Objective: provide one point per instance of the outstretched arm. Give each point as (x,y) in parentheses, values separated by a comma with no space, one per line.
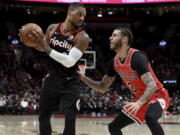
(100,86)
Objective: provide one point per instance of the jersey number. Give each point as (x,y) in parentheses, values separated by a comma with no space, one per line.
(132,87)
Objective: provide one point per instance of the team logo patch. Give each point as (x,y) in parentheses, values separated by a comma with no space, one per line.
(70,37)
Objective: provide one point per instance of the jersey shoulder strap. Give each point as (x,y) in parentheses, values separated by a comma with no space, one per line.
(55,28)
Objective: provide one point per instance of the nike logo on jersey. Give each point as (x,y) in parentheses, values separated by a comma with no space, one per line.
(56,32)
(63,44)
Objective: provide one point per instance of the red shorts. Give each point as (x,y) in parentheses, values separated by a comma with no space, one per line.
(162,97)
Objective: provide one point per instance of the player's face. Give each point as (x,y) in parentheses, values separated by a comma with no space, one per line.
(116,40)
(77,16)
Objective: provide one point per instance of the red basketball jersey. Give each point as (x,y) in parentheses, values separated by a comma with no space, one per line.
(130,77)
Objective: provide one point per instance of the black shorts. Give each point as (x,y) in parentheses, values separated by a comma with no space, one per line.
(60,93)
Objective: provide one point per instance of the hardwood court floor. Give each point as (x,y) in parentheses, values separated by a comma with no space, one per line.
(28,125)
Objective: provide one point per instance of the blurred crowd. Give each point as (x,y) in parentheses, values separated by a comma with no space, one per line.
(19,94)
(22,70)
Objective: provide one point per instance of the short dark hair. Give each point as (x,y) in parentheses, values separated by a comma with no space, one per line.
(75,5)
(126,32)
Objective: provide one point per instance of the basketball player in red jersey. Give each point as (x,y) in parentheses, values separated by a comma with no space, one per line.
(64,43)
(132,65)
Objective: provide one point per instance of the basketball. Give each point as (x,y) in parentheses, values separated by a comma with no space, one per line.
(26,33)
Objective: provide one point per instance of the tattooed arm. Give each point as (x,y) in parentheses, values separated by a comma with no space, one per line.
(100,86)
(140,64)
(150,87)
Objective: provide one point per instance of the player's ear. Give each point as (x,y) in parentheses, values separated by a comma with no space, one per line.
(69,13)
(125,39)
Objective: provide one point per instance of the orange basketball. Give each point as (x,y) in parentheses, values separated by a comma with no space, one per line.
(25,35)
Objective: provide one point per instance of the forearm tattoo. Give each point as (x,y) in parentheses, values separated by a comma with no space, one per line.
(150,87)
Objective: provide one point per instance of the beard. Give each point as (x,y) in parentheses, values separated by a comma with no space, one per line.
(73,24)
(76,25)
(117,46)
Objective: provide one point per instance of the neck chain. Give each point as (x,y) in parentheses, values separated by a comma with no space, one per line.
(123,60)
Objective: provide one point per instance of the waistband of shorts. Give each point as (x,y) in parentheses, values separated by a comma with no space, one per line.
(62,75)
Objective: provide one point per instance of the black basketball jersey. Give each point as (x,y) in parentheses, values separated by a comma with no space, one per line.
(62,43)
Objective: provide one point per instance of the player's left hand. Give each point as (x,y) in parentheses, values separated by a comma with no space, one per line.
(133,107)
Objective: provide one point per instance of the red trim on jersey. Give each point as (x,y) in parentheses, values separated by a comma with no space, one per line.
(77,35)
(64,34)
(53,30)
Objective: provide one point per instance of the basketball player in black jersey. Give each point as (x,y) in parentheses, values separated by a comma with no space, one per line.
(64,43)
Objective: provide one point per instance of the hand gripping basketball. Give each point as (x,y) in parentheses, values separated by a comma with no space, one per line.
(30,35)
